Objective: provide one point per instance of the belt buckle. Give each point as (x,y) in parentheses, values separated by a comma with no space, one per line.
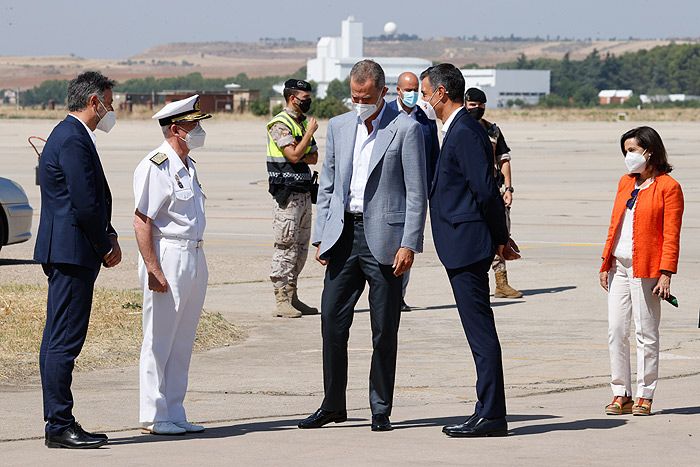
(199,243)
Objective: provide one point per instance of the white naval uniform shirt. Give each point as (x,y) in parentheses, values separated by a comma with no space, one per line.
(170,195)
(364,144)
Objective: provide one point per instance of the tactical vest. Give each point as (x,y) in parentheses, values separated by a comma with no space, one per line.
(281,173)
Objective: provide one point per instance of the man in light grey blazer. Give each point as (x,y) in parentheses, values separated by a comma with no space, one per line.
(369,224)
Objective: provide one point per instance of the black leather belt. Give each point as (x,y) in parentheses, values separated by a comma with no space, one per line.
(355,216)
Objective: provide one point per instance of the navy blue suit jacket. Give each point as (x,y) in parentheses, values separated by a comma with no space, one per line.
(76,204)
(430,138)
(467,213)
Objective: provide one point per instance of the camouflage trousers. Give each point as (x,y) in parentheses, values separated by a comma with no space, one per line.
(291,226)
(499,264)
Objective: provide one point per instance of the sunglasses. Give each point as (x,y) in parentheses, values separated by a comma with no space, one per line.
(633,198)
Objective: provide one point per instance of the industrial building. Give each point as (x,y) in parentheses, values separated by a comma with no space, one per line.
(506,87)
(335,57)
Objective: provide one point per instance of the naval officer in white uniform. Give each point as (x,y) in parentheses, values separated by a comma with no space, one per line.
(169,223)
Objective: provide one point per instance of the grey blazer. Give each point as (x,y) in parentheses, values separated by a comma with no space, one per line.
(395,198)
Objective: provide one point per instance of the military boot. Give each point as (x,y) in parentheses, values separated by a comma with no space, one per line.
(284,308)
(503,290)
(301,306)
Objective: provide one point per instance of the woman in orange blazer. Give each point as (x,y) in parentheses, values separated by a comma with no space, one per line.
(640,255)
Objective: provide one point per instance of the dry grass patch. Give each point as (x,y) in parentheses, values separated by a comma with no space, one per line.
(114,335)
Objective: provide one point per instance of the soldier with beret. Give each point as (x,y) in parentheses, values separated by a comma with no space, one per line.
(169,224)
(291,148)
(475,103)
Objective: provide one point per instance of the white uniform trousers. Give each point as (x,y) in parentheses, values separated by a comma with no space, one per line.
(631,297)
(169,324)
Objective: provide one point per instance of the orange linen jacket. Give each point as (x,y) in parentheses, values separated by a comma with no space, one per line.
(656,229)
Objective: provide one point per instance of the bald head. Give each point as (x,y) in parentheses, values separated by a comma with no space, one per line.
(407,81)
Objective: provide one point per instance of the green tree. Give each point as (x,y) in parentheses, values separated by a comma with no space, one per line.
(339,89)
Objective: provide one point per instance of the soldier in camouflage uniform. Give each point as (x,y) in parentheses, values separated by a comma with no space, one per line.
(291,148)
(475,103)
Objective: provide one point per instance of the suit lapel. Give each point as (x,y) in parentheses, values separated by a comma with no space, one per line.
(384,137)
(457,117)
(345,156)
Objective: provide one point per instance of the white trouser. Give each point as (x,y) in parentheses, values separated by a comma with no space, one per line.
(169,324)
(629,297)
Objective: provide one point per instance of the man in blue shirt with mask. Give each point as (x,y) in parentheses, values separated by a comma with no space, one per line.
(407,88)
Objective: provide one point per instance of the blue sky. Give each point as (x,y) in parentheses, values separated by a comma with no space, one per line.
(120,29)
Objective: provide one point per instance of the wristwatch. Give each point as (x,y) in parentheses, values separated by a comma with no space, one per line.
(510,188)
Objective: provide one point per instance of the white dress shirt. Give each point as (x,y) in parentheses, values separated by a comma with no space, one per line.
(412,114)
(448,122)
(364,144)
(170,195)
(90,132)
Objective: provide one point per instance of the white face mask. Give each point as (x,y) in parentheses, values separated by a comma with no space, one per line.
(195,138)
(364,111)
(635,162)
(428,108)
(107,121)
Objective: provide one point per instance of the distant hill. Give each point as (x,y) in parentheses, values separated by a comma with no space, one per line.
(223,59)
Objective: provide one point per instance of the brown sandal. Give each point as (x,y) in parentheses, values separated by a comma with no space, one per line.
(619,406)
(642,407)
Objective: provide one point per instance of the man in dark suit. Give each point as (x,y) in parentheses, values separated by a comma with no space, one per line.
(75,237)
(468,223)
(407,89)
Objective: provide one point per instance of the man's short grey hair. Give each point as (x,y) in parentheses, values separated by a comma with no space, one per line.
(86,85)
(368,70)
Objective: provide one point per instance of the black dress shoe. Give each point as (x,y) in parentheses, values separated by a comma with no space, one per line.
(94,435)
(323,417)
(479,428)
(381,422)
(74,438)
(472,418)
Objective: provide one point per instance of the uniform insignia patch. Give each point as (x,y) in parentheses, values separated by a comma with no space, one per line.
(159,158)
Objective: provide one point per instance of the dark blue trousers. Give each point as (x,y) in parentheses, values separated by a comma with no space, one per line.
(470,286)
(67,316)
(350,266)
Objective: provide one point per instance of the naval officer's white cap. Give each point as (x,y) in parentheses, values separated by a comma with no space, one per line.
(184,110)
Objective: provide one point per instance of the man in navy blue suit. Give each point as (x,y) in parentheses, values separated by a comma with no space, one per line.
(407,89)
(75,238)
(468,222)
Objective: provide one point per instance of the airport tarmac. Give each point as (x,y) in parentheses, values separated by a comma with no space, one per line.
(250,394)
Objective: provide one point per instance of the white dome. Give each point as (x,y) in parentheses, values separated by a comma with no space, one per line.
(390,28)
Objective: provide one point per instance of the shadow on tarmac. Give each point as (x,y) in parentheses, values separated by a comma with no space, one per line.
(528,292)
(16,262)
(441,307)
(282,425)
(680,411)
(217,432)
(576,425)
(442,421)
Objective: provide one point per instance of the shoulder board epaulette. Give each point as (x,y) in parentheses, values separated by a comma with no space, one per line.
(193,160)
(159,158)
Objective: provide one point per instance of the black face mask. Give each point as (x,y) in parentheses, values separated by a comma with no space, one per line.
(476,112)
(304,105)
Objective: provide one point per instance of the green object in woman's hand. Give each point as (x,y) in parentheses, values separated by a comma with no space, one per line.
(672,300)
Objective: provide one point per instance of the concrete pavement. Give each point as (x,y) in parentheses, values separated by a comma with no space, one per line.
(251,394)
